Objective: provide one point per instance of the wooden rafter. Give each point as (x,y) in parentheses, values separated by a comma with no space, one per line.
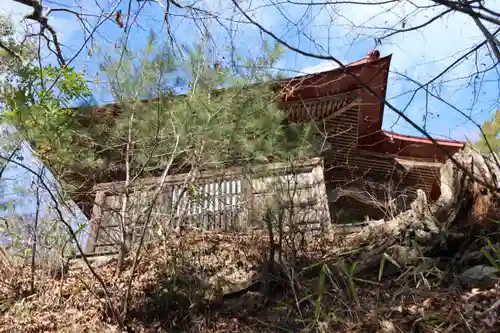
(341,110)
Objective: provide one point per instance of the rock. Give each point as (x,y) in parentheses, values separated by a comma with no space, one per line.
(387,326)
(480,276)
(404,255)
(423,237)
(95,261)
(473,259)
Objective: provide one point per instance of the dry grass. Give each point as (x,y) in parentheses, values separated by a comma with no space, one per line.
(189,285)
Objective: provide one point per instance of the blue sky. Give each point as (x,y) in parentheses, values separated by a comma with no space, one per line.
(343,31)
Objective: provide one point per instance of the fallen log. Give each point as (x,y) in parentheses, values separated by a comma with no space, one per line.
(445,229)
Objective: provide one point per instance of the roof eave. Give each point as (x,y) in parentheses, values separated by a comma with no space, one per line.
(416,139)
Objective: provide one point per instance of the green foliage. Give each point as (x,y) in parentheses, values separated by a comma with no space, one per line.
(491,252)
(10,64)
(321,291)
(491,130)
(9,67)
(17,231)
(206,127)
(349,271)
(215,127)
(38,106)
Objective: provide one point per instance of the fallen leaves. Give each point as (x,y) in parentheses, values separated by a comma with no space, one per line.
(180,285)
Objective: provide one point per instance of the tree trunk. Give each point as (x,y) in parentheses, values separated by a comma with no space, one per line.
(442,229)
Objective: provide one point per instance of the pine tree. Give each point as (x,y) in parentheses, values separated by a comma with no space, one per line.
(207,127)
(491,130)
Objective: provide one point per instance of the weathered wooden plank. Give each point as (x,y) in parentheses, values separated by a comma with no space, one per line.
(227,174)
(95,221)
(218,204)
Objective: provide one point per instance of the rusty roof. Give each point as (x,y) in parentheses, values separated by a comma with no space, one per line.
(371,71)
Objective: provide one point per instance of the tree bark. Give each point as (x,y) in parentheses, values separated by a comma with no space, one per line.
(443,228)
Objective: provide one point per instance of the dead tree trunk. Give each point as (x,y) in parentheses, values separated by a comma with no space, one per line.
(444,228)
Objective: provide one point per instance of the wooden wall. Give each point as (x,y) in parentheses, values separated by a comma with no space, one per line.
(235,199)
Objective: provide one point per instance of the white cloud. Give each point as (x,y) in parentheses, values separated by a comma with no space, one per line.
(65,27)
(345,32)
(322,66)
(343,28)
(348,30)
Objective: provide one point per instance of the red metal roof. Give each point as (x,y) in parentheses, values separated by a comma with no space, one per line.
(417,139)
(372,71)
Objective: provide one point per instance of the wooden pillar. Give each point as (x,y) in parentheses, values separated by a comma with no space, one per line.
(245,216)
(319,177)
(95,221)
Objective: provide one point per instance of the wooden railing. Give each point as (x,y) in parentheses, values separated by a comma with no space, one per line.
(235,199)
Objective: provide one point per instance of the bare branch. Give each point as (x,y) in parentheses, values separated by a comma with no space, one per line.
(418,26)
(38,16)
(492,40)
(73,236)
(369,89)
(9,159)
(467,9)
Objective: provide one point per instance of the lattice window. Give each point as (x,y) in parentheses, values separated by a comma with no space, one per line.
(192,200)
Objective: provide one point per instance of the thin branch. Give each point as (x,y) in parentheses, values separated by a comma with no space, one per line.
(74,237)
(35,234)
(467,9)
(38,16)
(443,72)
(488,10)
(57,45)
(469,118)
(148,211)
(8,160)
(85,42)
(418,26)
(326,3)
(369,89)
(78,15)
(492,41)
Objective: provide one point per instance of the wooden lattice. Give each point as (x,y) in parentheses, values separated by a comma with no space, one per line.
(230,200)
